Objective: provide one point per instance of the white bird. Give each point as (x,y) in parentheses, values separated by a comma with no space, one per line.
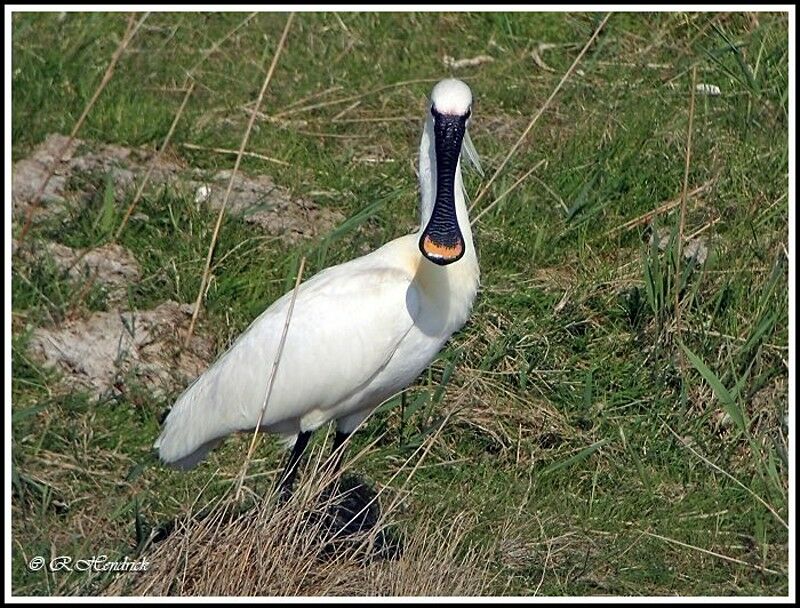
(360,331)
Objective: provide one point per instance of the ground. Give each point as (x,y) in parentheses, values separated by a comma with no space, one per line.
(614,417)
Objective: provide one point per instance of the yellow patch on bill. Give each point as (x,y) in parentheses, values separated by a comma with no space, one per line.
(444,252)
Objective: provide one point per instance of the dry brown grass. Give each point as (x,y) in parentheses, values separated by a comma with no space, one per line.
(295,548)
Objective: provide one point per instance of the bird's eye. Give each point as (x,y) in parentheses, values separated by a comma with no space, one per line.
(469,113)
(433,111)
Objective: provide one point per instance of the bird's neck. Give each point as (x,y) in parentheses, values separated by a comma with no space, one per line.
(427,182)
(452,288)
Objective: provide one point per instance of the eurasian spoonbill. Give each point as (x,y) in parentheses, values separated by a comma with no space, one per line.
(360,331)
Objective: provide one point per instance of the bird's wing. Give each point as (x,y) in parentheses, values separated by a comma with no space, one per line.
(347,322)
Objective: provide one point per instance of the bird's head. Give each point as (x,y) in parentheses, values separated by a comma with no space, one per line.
(452,97)
(441,241)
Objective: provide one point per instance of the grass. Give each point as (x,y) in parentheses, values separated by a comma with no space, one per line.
(593,448)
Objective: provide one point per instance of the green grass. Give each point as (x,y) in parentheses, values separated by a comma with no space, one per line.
(569,390)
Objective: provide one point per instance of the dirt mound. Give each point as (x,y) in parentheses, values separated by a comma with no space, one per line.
(261,202)
(30,174)
(257,199)
(109,265)
(110,351)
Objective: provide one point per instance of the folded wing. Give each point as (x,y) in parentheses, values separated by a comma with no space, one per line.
(347,322)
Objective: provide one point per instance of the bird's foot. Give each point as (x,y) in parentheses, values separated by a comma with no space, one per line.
(352,512)
(351,505)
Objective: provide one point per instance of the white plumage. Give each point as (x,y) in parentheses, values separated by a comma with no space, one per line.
(359,333)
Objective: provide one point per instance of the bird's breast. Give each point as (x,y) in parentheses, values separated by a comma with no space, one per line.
(446,294)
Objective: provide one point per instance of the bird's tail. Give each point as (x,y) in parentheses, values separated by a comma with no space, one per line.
(195,425)
(193,458)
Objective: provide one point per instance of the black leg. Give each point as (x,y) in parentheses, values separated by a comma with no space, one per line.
(289,473)
(353,507)
(338,440)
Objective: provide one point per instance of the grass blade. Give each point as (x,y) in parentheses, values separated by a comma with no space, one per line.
(724,396)
(580,456)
